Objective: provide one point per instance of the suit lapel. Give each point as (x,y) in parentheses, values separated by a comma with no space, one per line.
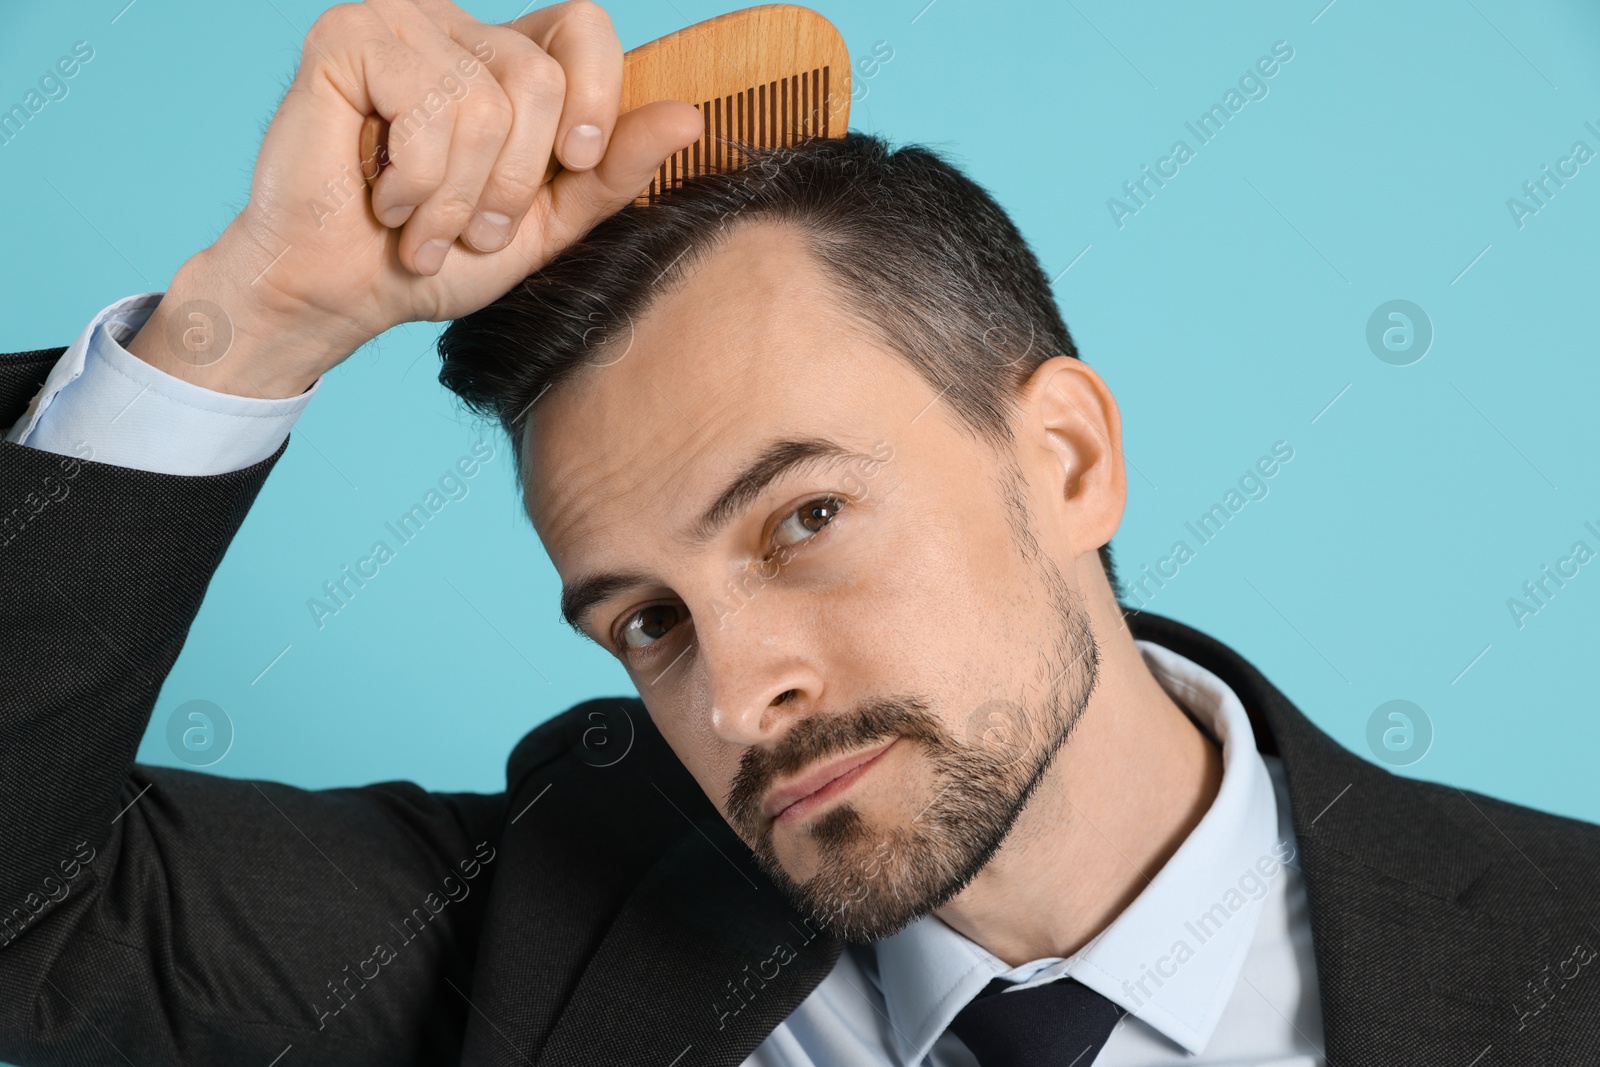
(704,961)
(582,829)
(627,922)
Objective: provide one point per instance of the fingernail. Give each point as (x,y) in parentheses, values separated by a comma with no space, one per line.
(488,230)
(582,148)
(397,215)
(430,257)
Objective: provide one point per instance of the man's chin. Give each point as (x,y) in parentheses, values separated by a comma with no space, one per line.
(851,880)
(841,844)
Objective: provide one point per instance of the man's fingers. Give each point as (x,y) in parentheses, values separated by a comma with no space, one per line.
(561,69)
(579,36)
(419,142)
(470,118)
(536,86)
(643,138)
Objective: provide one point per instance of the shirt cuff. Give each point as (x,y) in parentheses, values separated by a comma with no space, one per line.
(102,402)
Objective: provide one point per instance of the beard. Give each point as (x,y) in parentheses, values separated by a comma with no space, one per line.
(872,881)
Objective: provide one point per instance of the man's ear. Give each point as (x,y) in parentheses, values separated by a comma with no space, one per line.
(1071,429)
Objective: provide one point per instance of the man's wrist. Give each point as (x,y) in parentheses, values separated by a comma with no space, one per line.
(202,333)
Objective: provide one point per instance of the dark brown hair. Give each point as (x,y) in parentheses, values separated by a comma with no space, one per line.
(923,257)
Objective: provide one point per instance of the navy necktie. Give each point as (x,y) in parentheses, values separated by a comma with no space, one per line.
(1058,1024)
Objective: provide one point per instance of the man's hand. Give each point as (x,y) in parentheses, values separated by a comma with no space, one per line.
(312,269)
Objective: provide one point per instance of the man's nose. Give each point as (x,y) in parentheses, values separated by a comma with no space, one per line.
(762,669)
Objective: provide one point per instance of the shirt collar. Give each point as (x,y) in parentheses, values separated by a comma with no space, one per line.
(1173,956)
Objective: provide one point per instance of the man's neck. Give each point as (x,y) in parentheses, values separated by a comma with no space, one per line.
(1134,780)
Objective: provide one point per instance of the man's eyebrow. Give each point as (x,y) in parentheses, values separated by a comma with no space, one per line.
(580,596)
(773,462)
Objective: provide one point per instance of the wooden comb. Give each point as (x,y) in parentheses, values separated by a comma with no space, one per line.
(767,76)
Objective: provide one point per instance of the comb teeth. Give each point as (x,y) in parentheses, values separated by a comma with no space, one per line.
(781,112)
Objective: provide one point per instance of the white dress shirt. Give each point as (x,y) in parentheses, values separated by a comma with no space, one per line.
(1212,960)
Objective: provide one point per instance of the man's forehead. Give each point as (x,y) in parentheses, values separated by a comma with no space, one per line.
(750,345)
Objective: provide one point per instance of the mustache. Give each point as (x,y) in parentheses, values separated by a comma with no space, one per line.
(817,737)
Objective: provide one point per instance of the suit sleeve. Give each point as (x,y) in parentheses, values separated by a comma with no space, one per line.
(156,915)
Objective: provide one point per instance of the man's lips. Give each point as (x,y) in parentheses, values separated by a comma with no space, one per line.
(820,783)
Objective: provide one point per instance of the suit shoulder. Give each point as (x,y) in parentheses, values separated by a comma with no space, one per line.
(1545,850)
(1539,831)
(575,732)
(21,375)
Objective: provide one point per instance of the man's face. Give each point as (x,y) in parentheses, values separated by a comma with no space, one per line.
(813,574)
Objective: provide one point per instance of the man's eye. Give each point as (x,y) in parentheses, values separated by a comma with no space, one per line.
(804,521)
(648,625)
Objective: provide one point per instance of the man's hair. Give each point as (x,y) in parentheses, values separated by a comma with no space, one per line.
(922,257)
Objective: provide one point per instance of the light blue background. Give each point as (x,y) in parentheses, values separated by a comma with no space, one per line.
(1226,315)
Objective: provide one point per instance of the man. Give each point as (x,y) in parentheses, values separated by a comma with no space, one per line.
(815,458)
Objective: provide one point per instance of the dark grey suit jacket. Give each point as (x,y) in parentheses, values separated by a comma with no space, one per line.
(599,911)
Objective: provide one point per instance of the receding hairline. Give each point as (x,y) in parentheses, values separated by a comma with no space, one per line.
(675,277)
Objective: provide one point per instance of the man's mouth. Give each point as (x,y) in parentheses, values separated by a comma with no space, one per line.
(817,786)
